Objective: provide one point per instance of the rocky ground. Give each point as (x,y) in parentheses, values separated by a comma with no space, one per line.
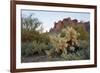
(42,58)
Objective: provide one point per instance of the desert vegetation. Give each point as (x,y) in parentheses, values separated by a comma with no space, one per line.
(70,42)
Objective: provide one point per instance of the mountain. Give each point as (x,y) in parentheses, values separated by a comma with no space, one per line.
(68,21)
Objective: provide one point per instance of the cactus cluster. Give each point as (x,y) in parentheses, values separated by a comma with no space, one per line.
(65,43)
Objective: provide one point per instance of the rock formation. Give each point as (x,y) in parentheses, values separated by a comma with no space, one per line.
(67,21)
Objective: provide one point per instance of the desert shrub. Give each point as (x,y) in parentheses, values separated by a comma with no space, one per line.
(84,53)
(26,49)
(31,48)
(79,55)
(29,36)
(40,48)
(84,35)
(84,43)
(43,38)
(87,53)
(36,47)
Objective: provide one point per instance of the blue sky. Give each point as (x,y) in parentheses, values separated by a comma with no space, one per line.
(49,17)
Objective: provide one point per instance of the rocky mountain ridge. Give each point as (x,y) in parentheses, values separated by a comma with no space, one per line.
(67,21)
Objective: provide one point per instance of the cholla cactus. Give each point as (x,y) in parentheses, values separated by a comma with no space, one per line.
(71,34)
(60,43)
(71,37)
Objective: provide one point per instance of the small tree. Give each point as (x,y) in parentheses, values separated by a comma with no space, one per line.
(30,23)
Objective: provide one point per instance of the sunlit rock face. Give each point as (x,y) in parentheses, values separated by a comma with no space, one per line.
(68,21)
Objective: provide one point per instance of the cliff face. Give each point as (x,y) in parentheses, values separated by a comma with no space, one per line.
(68,21)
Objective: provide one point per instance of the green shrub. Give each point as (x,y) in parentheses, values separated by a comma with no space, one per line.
(40,47)
(26,49)
(84,53)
